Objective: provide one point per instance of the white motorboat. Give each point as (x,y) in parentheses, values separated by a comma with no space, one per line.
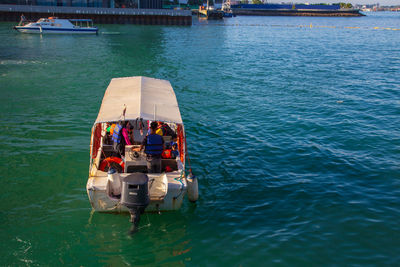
(56,25)
(139,101)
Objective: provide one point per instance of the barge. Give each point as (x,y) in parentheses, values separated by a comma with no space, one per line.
(294,10)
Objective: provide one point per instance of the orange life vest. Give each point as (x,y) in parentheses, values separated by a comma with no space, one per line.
(166,154)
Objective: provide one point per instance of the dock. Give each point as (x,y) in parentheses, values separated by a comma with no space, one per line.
(13,13)
(314,10)
(299,12)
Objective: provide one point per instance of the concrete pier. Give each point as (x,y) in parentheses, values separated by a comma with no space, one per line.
(13,13)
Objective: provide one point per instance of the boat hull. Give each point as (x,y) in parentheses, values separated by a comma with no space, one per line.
(23,29)
(101,201)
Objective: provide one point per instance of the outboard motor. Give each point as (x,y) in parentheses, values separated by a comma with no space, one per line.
(135,196)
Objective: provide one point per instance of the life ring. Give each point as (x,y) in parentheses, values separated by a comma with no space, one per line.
(116,162)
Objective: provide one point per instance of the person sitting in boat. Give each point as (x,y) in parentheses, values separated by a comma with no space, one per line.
(160,130)
(23,19)
(165,130)
(175,152)
(153,145)
(118,141)
(125,133)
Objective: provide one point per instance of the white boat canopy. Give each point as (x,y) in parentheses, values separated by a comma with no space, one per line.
(143,97)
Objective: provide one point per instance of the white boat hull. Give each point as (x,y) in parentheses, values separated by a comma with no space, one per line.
(101,201)
(55,31)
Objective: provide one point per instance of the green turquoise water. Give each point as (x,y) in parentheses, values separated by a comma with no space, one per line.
(293,131)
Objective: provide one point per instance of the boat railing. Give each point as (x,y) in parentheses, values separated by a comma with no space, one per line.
(25,22)
(82,23)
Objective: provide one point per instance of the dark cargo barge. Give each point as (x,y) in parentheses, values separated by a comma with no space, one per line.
(294,10)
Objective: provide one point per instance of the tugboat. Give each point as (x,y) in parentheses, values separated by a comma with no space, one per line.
(119,180)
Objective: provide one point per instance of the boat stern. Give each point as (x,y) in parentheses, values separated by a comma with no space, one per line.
(99,190)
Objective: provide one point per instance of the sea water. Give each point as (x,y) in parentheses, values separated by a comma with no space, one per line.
(292,127)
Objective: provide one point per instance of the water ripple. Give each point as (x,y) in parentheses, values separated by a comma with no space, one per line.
(292,131)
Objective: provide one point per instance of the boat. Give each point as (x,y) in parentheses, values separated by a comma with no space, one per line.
(56,25)
(228,14)
(210,13)
(226,8)
(138,101)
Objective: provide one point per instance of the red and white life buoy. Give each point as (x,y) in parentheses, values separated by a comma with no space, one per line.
(108,161)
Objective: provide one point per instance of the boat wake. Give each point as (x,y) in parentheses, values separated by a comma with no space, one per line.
(19,62)
(111,33)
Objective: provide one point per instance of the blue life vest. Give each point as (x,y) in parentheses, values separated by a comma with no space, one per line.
(154,144)
(116,137)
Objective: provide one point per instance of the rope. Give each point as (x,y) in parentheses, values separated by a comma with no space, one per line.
(146,225)
(123,113)
(108,163)
(182,185)
(151,183)
(188,157)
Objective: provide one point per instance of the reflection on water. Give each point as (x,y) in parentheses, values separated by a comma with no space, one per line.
(161,239)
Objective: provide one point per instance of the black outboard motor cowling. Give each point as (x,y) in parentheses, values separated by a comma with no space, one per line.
(135,195)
